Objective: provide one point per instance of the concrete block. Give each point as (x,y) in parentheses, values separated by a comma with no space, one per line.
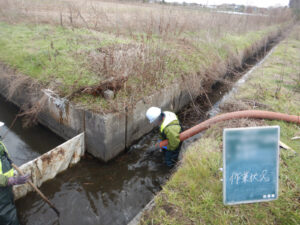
(62,117)
(105,134)
(171,98)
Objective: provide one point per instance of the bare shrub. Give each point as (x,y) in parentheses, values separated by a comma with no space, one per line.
(30,113)
(17,86)
(16,83)
(146,64)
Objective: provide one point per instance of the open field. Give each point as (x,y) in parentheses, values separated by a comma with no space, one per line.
(194,193)
(73,46)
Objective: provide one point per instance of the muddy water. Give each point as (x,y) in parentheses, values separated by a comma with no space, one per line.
(24,144)
(97,193)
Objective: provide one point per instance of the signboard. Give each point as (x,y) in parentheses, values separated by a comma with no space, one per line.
(250,164)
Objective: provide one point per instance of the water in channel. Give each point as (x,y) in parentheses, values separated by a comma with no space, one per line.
(92,192)
(24,144)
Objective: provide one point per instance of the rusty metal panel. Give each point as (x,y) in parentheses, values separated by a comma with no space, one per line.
(48,165)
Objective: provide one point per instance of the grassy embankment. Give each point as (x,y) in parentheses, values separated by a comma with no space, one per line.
(194,193)
(66,46)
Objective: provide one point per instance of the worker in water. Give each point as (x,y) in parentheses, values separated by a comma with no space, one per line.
(8,212)
(170,129)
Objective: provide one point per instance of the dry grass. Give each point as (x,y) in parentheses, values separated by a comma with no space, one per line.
(153,45)
(30,113)
(144,62)
(14,90)
(16,82)
(150,20)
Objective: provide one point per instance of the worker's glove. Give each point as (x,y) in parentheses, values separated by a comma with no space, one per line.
(18,180)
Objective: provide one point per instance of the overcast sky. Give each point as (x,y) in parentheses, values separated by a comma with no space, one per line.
(258,3)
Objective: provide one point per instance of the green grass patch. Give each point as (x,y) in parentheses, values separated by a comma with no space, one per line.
(52,54)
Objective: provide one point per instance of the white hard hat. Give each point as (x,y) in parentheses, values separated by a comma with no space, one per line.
(153,113)
(1,124)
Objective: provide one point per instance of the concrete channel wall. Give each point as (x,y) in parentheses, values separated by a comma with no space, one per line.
(106,135)
(48,165)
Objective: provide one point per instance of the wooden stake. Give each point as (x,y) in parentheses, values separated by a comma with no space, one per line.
(37,190)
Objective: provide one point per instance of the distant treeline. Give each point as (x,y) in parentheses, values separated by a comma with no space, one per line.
(295,5)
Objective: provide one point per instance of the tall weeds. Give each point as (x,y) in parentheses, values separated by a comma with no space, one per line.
(132,19)
(165,42)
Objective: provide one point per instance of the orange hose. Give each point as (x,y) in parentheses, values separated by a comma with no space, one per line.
(258,114)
